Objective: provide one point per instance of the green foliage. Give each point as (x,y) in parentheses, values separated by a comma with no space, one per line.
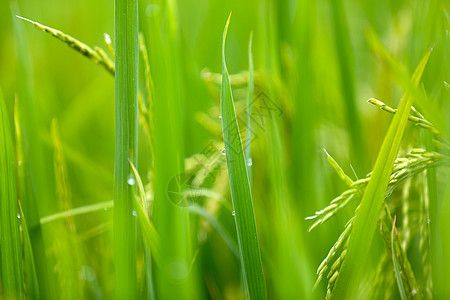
(126,83)
(240,189)
(230,163)
(398,276)
(11,251)
(372,200)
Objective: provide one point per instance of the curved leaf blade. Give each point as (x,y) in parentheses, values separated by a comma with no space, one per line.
(11,248)
(371,203)
(240,189)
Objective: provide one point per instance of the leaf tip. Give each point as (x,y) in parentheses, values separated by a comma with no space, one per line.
(224,38)
(226,27)
(25,19)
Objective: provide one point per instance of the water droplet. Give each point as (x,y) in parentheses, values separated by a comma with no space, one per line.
(107,38)
(87,273)
(428,221)
(178,269)
(131,180)
(249,162)
(223,151)
(152,10)
(134,213)
(233,213)
(105,209)
(220,116)
(18,216)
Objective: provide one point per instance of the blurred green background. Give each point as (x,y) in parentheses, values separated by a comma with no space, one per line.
(314,60)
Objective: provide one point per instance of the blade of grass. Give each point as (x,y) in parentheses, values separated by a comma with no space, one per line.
(199,210)
(437,256)
(398,276)
(77,211)
(251,87)
(296,69)
(34,182)
(371,203)
(65,230)
(347,82)
(31,281)
(162,32)
(30,276)
(149,107)
(11,248)
(240,189)
(126,87)
(149,232)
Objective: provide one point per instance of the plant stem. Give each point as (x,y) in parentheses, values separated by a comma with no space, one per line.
(126,87)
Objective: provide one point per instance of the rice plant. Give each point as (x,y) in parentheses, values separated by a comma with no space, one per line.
(299,152)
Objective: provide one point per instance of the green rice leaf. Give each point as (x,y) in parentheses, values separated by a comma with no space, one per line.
(398,276)
(11,248)
(240,189)
(368,212)
(65,230)
(126,88)
(251,87)
(78,211)
(150,235)
(34,177)
(31,281)
(30,275)
(199,210)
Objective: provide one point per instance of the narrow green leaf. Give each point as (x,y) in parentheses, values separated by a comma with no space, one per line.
(199,210)
(171,220)
(31,281)
(344,53)
(240,189)
(126,87)
(398,276)
(77,211)
(35,190)
(70,286)
(368,212)
(11,249)
(30,275)
(251,87)
(150,235)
